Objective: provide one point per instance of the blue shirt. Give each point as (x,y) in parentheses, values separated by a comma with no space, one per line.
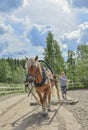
(63,81)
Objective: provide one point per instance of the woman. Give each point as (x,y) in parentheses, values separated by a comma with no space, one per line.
(63,80)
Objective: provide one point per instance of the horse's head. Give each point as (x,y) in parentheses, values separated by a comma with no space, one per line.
(32,66)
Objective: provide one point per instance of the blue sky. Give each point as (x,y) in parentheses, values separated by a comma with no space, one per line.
(24,25)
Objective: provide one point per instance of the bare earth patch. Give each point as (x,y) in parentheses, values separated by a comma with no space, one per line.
(17,114)
(80,110)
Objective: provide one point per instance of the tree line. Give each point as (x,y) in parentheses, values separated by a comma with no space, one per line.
(77,66)
(12,70)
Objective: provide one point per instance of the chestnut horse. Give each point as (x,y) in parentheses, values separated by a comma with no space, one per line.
(43,81)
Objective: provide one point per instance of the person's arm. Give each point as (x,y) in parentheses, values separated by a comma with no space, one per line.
(65,79)
(60,78)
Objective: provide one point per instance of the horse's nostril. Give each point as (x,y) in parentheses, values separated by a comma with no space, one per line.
(30,79)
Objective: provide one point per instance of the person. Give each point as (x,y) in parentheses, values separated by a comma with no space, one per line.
(63,81)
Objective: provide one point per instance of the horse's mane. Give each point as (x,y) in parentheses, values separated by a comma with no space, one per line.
(31,61)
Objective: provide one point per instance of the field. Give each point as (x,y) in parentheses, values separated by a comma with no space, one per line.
(11,88)
(17,114)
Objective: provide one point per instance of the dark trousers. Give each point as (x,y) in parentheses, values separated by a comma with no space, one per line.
(64,89)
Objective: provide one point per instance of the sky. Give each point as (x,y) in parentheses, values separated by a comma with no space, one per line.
(24,25)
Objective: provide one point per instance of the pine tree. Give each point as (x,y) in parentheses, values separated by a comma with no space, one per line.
(71,65)
(5,71)
(53,55)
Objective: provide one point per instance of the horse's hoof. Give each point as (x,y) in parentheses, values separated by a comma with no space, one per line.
(49,110)
(44,114)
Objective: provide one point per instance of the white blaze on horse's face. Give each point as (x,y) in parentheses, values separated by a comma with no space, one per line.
(31,62)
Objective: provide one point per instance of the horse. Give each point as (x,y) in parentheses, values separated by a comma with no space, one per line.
(43,81)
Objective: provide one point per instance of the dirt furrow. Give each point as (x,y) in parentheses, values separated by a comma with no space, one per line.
(22,116)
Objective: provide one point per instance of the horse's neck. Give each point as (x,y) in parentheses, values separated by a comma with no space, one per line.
(39,76)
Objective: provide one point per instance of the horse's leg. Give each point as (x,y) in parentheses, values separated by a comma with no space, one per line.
(47,94)
(42,101)
(40,96)
(49,98)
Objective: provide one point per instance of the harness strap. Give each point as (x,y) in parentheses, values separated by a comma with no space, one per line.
(43,80)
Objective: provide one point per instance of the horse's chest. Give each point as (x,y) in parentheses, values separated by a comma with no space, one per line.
(42,88)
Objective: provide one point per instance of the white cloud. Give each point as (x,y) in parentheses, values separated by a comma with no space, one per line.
(5,28)
(74,38)
(72,35)
(64,46)
(61,3)
(83,33)
(11,45)
(83,26)
(50,12)
(38,34)
(19,25)
(26,3)
(58,16)
(25,21)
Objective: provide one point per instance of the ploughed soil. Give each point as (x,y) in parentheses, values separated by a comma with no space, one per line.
(80,110)
(16,113)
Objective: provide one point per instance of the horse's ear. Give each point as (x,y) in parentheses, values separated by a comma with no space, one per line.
(36,58)
(26,58)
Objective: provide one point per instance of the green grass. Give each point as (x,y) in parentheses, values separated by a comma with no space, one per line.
(77,86)
(6,88)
